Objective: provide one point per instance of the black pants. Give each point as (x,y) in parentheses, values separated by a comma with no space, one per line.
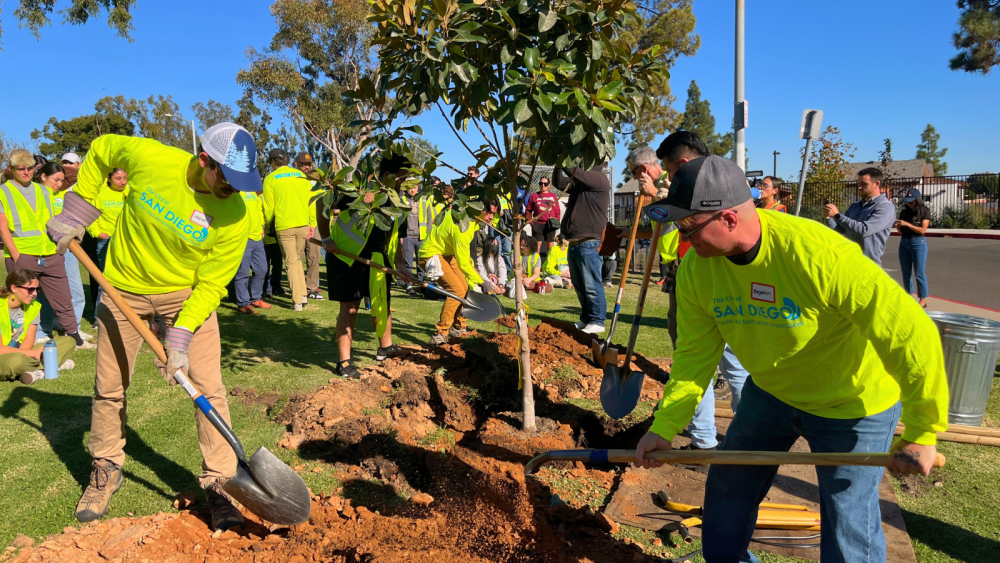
(275,260)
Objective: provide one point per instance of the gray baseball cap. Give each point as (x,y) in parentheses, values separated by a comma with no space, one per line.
(709,183)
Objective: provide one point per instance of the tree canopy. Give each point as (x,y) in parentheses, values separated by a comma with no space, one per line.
(829,157)
(929,151)
(34,14)
(698,119)
(978,36)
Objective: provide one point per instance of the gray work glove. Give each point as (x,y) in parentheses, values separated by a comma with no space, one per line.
(71,224)
(178,340)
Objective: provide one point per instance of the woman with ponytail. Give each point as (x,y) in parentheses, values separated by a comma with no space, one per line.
(19,356)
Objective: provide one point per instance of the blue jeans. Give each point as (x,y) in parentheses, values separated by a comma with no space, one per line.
(585,272)
(506,248)
(702,427)
(849,508)
(102,258)
(913,261)
(48,315)
(255,259)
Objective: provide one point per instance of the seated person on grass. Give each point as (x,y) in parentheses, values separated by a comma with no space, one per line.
(491,266)
(531,267)
(19,357)
(556,267)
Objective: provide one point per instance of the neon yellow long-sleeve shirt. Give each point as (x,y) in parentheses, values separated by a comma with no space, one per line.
(817,325)
(169,237)
(447,239)
(255,213)
(111,204)
(555,261)
(286,199)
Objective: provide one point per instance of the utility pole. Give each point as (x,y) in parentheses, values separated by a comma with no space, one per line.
(739,123)
(776,153)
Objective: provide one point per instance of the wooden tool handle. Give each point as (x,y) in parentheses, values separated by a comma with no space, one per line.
(364,261)
(642,300)
(631,245)
(124,307)
(760,458)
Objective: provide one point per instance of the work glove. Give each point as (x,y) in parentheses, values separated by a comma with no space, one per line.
(491,289)
(178,340)
(71,224)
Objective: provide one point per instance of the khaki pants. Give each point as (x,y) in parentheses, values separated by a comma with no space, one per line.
(453,280)
(12,365)
(313,257)
(293,242)
(117,346)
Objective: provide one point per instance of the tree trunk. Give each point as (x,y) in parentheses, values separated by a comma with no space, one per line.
(528,390)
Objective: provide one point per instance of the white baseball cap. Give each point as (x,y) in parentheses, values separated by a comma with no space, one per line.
(72,158)
(233,148)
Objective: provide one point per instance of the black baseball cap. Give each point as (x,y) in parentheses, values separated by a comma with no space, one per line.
(709,183)
(912,194)
(277,153)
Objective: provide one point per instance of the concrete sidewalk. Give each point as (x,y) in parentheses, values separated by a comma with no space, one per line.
(948,306)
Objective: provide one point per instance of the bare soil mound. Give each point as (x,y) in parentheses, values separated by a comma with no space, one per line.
(438,430)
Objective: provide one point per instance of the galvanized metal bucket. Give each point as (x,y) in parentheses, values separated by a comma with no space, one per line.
(971,347)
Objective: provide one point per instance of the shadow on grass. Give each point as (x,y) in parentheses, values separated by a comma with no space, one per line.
(958,543)
(64,419)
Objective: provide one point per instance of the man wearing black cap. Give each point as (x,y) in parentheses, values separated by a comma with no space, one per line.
(314,254)
(832,344)
(286,202)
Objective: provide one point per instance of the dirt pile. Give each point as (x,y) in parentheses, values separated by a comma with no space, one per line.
(430,453)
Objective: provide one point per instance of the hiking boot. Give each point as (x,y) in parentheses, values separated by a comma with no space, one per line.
(315,296)
(438,339)
(248,310)
(105,481)
(347,371)
(391,351)
(260,304)
(225,515)
(457,332)
(30,377)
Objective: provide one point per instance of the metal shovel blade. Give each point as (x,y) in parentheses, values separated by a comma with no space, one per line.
(441,291)
(487,308)
(620,393)
(598,347)
(270,489)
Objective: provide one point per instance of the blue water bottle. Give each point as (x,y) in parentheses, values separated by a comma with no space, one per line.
(50,359)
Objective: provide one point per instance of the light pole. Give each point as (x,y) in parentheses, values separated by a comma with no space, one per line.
(776,153)
(739,150)
(194,136)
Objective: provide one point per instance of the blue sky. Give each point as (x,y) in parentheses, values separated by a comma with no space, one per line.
(877,69)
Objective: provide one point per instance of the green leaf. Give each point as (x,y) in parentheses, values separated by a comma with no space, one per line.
(463,225)
(358,204)
(522,112)
(578,134)
(380,200)
(562,41)
(522,6)
(610,91)
(461,72)
(413,128)
(505,55)
(531,59)
(393,212)
(547,20)
(610,106)
(544,101)
(381,221)
(596,49)
(581,99)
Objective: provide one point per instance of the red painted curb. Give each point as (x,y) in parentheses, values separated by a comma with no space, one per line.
(986,234)
(966,304)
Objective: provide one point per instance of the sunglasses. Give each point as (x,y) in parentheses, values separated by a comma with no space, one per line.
(29,289)
(688,233)
(543,183)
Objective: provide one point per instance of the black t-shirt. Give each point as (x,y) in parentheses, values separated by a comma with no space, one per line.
(914,217)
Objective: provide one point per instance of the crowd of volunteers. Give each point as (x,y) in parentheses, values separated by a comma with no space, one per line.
(814,338)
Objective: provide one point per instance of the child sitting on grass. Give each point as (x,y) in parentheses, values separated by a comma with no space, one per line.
(531,268)
(556,267)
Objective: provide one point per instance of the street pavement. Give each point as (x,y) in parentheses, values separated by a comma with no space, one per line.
(966,270)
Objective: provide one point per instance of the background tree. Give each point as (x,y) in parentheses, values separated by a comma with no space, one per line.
(8,144)
(698,119)
(669,25)
(256,121)
(978,37)
(76,134)
(829,157)
(929,151)
(563,73)
(421,151)
(983,183)
(321,50)
(211,113)
(34,14)
(149,118)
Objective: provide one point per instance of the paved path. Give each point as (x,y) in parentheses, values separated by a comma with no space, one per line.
(964,270)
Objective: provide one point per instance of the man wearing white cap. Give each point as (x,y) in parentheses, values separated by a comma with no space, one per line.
(176,245)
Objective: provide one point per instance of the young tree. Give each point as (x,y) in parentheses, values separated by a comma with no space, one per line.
(34,14)
(978,37)
(698,119)
(565,71)
(829,157)
(929,151)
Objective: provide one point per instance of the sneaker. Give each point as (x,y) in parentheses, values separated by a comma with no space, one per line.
(84,335)
(225,515)
(580,325)
(248,310)
(438,339)
(661,282)
(67,365)
(457,332)
(347,371)
(42,339)
(30,377)
(390,351)
(594,328)
(607,284)
(105,481)
(260,304)
(410,290)
(315,296)
(297,307)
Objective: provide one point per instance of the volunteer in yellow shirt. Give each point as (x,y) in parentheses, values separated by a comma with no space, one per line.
(314,253)
(453,249)
(286,202)
(110,202)
(250,288)
(556,266)
(176,245)
(833,346)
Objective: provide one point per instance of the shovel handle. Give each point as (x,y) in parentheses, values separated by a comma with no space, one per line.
(642,301)
(147,335)
(721,457)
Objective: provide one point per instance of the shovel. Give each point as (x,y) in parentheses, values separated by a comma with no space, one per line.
(602,354)
(721,457)
(620,390)
(263,484)
(480,307)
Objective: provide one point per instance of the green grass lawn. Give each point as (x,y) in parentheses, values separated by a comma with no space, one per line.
(44,463)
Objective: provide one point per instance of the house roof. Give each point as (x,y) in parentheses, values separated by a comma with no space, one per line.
(899,168)
(630,187)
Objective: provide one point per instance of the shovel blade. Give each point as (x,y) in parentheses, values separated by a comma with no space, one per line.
(620,392)
(487,307)
(271,490)
(598,348)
